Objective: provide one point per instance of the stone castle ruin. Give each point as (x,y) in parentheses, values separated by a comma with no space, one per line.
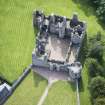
(58,43)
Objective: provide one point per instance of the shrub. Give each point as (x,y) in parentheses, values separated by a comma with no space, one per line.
(97,87)
(97,52)
(99,101)
(99,6)
(95,69)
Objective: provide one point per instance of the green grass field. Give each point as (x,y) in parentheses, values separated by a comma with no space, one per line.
(17,42)
(29,92)
(61,93)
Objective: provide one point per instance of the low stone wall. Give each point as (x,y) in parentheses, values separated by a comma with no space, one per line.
(17,83)
(21,78)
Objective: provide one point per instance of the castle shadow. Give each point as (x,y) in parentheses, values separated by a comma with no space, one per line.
(37,79)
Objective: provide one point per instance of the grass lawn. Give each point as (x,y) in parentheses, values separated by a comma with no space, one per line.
(61,93)
(16,37)
(29,92)
(16,31)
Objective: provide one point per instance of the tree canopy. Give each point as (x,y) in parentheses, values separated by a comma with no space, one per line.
(97,87)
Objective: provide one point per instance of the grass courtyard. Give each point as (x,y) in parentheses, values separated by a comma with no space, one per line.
(29,92)
(17,42)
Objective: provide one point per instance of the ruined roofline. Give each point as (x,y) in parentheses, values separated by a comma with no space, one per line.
(59,16)
(53,23)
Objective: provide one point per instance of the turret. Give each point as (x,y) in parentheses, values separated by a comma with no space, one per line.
(75,70)
(74,21)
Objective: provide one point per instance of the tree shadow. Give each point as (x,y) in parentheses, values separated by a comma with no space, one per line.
(85,6)
(72,85)
(80,84)
(101,23)
(83,51)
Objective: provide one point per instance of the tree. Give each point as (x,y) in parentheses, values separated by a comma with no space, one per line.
(97,52)
(98,36)
(95,3)
(99,6)
(99,101)
(95,69)
(97,87)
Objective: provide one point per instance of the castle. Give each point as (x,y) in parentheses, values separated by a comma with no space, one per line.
(58,43)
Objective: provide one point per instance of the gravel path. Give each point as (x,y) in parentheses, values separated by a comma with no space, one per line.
(41,101)
(43,97)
